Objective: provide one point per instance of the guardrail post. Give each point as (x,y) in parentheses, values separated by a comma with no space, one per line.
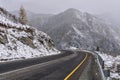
(103,65)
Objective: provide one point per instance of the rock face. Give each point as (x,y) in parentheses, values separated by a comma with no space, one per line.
(19,41)
(82,30)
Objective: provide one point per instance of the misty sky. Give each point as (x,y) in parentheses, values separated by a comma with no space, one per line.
(55,6)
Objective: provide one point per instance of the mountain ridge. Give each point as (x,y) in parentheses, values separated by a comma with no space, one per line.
(80,28)
(95,31)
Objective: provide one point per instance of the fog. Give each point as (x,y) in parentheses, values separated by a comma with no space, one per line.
(107,7)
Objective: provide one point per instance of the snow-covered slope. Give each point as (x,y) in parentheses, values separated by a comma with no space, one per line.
(82,30)
(113,64)
(19,41)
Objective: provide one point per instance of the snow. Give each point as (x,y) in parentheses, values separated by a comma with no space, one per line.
(7,22)
(111,64)
(18,34)
(115,75)
(77,31)
(109,60)
(19,50)
(73,48)
(14,49)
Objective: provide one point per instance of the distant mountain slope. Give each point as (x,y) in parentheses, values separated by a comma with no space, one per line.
(19,41)
(35,19)
(82,30)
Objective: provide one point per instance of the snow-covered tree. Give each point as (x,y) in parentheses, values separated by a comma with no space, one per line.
(22,16)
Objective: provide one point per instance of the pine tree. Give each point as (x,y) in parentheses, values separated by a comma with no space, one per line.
(22,16)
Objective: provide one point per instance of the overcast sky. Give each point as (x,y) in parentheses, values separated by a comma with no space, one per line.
(55,6)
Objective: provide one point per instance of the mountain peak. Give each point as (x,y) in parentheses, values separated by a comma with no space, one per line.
(71,13)
(72,10)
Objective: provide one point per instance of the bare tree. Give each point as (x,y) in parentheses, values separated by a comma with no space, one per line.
(22,16)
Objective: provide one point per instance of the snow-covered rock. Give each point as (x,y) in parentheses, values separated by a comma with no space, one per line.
(111,63)
(19,41)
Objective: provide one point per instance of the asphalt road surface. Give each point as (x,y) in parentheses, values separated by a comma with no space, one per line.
(63,70)
(13,65)
(67,70)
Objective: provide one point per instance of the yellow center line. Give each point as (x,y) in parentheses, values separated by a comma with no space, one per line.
(71,73)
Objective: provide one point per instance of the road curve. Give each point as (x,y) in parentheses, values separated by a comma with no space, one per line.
(75,69)
(67,70)
(66,66)
(14,65)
